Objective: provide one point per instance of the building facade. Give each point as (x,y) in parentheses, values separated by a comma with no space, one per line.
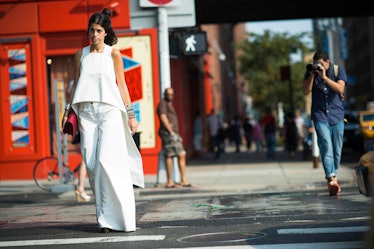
(37,46)
(350,43)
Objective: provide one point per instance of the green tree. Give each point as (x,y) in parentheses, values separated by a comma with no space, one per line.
(262,57)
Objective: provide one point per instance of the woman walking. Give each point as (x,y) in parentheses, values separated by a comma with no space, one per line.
(101,100)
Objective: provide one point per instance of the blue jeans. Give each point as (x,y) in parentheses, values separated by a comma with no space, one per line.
(330,143)
(270,145)
(216,146)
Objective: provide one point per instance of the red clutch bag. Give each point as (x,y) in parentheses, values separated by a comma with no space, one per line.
(71,124)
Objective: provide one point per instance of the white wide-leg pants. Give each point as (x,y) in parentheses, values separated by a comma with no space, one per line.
(104,150)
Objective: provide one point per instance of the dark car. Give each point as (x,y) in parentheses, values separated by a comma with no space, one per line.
(353,138)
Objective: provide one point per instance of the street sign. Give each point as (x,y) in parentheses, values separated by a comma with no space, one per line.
(158,3)
(180,14)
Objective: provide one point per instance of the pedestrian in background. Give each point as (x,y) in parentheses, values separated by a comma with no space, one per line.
(327,88)
(291,135)
(215,125)
(257,135)
(301,128)
(248,131)
(198,133)
(80,193)
(236,132)
(269,124)
(101,100)
(171,140)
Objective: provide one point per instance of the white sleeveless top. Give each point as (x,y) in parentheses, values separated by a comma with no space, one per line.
(97,80)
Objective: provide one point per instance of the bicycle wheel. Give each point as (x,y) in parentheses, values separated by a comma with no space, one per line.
(46,173)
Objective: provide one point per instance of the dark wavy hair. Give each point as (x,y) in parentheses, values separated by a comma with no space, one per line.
(103,19)
(320,54)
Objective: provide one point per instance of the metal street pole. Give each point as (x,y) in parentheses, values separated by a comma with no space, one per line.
(163,37)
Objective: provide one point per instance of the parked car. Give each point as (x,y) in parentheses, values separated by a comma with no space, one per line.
(366,120)
(353,138)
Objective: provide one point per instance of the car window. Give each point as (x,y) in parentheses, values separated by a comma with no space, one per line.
(368,117)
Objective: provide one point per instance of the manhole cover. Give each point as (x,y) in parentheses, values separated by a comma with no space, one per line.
(221,237)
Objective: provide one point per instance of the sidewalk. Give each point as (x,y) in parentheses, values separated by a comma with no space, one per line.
(247,173)
(234,173)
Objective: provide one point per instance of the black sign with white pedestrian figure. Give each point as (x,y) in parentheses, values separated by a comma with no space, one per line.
(194,43)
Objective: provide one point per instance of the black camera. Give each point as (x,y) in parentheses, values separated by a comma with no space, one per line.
(313,66)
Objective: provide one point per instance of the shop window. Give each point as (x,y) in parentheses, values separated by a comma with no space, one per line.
(15,98)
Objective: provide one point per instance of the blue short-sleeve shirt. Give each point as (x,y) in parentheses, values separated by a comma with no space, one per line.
(327,105)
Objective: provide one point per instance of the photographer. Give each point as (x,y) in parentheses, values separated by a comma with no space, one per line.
(327,88)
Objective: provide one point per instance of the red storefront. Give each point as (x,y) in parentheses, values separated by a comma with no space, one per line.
(38,40)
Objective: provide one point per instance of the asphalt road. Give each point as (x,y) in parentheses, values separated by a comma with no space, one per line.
(241,201)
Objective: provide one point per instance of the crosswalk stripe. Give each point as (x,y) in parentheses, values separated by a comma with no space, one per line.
(355,229)
(323,245)
(80,240)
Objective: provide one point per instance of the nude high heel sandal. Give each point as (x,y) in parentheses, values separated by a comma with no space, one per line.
(82,197)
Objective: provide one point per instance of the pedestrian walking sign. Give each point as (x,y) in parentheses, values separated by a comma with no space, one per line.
(194,43)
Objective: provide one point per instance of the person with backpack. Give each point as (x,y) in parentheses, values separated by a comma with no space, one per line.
(326,83)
